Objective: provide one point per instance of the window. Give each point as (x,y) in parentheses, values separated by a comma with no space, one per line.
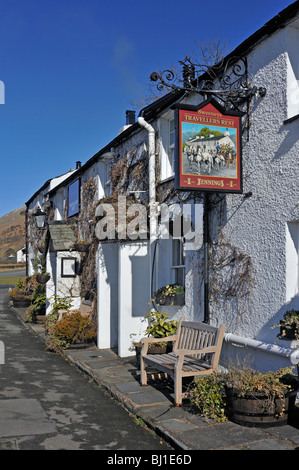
(73,198)
(293,71)
(68,267)
(171,144)
(292,262)
(167,133)
(178,263)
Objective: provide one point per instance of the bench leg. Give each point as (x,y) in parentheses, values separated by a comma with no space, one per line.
(178,389)
(143,375)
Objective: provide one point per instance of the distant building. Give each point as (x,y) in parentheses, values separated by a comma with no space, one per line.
(213,143)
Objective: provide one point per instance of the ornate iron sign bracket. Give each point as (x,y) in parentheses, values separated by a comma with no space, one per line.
(226,81)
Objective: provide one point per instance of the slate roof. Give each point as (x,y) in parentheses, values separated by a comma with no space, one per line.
(61,236)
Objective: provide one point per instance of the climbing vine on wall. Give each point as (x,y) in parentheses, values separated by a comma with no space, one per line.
(230,275)
(84,230)
(129,174)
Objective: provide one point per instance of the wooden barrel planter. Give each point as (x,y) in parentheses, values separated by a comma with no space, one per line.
(42,278)
(256,410)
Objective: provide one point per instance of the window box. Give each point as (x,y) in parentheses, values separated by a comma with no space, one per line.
(170,295)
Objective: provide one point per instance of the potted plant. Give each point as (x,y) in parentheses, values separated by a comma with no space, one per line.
(81,246)
(289,325)
(259,399)
(172,294)
(42,278)
(73,330)
(159,327)
(20,295)
(37,308)
(39,267)
(245,396)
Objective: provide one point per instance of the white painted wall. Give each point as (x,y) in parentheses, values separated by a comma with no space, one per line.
(123,294)
(261,226)
(107,269)
(133,293)
(58,285)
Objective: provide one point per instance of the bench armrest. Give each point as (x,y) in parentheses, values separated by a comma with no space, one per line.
(148,339)
(186,352)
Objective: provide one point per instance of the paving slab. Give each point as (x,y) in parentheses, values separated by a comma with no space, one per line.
(177,425)
(269,444)
(133,387)
(148,398)
(23,416)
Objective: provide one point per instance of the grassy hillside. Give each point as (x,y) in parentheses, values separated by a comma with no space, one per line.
(12,233)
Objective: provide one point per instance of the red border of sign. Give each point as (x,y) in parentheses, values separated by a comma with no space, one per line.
(208,113)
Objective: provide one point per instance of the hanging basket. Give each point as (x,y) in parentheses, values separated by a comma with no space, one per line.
(81,247)
(42,278)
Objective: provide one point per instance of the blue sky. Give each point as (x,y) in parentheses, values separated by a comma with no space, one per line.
(71,69)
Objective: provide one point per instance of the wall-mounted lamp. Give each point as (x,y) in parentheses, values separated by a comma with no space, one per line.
(40,218)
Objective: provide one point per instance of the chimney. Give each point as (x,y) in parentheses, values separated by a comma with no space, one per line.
(130,117)
(78,165)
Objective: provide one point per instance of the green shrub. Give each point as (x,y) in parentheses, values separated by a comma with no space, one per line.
(74,327)
(61,303)
(30,314)
(159,326)
(207,395)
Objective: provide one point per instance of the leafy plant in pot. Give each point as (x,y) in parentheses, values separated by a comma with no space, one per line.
(159,327)
(74,329)
(39,267)
(81,246)
(289,325)
(245,396)
(20,295)
(38,306)
(260,399)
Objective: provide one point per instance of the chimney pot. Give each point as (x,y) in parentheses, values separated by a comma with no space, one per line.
(130,117)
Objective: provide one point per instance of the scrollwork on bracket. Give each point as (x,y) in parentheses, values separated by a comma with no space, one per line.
(228,80)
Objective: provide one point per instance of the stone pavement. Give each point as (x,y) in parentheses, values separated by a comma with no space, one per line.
(180,426)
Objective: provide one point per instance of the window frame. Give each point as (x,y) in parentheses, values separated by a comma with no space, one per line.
(167,145)
(76,210)
(64,261)
(177,251)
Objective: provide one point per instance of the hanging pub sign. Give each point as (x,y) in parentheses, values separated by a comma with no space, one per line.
(208,148)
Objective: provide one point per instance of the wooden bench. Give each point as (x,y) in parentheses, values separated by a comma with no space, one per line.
(196,352)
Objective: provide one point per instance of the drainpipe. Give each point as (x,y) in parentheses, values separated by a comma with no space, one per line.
(152,176)
(206,258)
(292,354)
(152,190)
